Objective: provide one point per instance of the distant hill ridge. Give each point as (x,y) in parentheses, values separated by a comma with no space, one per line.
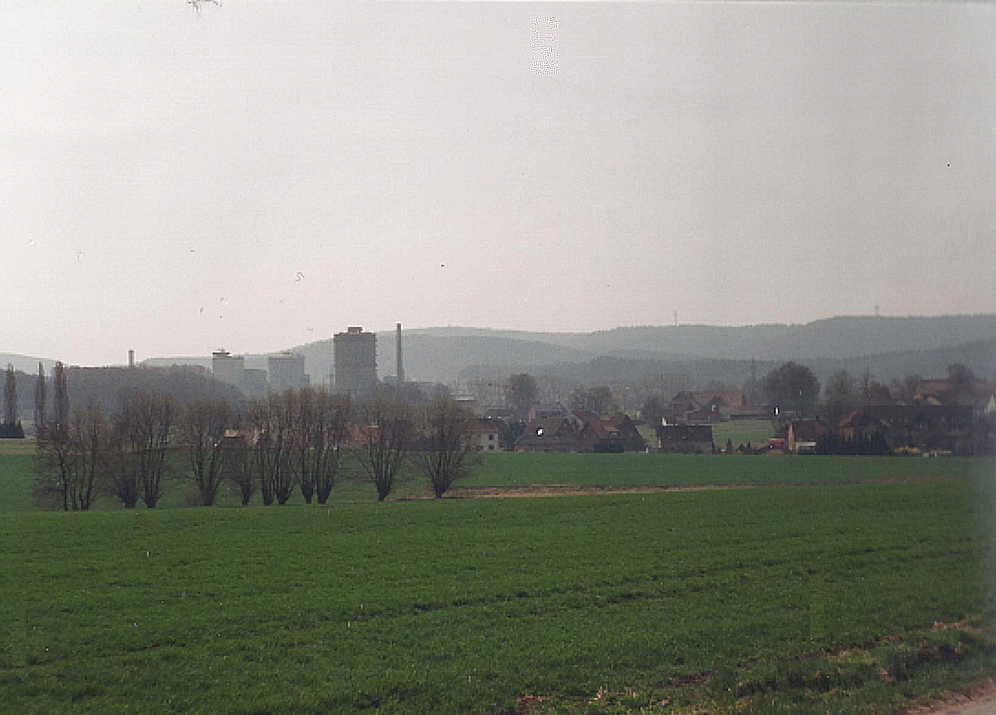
(440,353)
(839,337)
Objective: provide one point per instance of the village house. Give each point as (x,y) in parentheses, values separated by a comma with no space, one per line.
(614,434)
(686,439)
(802,436)
(709,407)
(484,435)
(925,426)
(862,424)
(549,434)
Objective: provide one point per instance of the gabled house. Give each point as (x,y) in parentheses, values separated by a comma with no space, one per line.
(614,434)
(862,424)
(549,434)
(700,406)
(545,411)
(686,439)
(925,426)
(485,435)
(802,435)
(709,412)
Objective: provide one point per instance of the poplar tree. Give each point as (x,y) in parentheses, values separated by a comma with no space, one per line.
(10,396)
(41,389)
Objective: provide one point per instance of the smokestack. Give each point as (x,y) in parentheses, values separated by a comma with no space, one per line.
(401,365)
(131,358)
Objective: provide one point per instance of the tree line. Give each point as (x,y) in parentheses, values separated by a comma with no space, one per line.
(297,440)
(794,388)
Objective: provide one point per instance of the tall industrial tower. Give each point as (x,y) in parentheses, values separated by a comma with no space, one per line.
(355,356)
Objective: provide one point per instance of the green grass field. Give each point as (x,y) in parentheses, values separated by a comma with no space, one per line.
(771,598)
(757,432)
(517,469)
(862,588)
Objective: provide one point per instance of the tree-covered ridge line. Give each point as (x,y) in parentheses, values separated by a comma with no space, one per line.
(891,346)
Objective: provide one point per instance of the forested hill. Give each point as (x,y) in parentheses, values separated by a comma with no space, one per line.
(888,345)
(833,338)
(980,357)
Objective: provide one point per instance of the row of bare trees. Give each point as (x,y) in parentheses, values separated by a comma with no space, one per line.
(88,454)
(298,439)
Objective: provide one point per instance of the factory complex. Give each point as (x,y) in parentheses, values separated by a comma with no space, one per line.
(354,366)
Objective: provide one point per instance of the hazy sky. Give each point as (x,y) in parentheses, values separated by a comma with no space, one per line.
(262,174)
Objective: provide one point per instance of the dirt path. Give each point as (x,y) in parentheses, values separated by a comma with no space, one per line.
(978,702)
(562,490)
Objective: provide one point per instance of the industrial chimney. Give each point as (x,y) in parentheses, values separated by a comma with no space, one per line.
(401,365)
(131,358)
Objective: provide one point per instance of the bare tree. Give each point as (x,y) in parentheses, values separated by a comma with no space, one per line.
(598,400)
(304,422)
(55,451)
(60,395)
(385,435)
(124,482)
(70,458)
(145,428)
(88,440)
(272,440)
(319,423)
(960,378)
(10,396)
(333,414)
(447,429)
(202,432)
(840,396)
(54,467)
(238,466)
(40,395)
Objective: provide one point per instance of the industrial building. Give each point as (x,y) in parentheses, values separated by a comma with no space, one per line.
(227,367)
(286,371)
(254,382)
(355,358)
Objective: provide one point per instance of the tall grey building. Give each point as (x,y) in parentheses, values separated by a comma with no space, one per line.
(286,371)
(227,367)
(355,356)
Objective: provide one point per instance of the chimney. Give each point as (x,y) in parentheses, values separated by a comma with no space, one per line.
(131,358)
(401,365)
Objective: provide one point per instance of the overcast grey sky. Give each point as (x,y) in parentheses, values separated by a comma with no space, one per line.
(263,174)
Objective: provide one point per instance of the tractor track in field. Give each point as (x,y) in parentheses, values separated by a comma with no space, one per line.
(559,490)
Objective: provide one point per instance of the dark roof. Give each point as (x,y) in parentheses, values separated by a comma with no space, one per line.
(733,398)
(668,434)
(807,430)
(548,431)
(484,425)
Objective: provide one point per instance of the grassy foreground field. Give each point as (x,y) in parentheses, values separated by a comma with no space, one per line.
(682,470)
(836,599)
